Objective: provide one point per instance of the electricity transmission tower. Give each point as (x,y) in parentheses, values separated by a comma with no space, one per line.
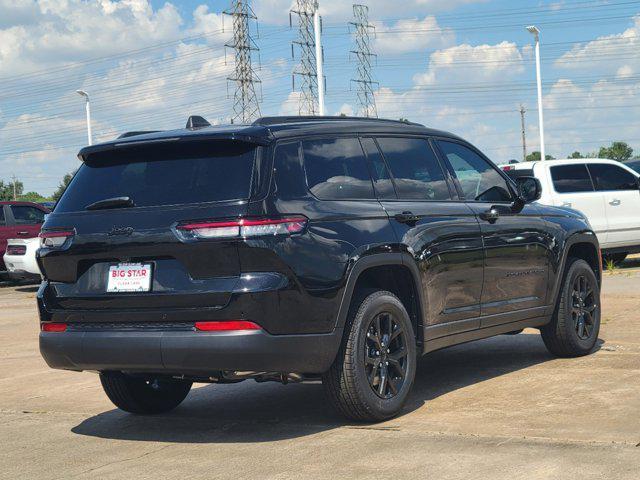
(246,104)
(307,67)
(364,55)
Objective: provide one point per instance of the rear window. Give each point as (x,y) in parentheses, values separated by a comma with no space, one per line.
(170,174)
(609,177)
(26,215)
(571,178)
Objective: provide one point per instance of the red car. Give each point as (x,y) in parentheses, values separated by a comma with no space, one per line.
(19,220)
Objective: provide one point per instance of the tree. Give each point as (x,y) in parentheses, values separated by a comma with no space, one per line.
(32,197)
(535,156)
(62,187)
(6,190)
(619,151)
(576,155)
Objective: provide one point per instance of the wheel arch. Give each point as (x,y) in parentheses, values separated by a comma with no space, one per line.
(583,245)
(395,272)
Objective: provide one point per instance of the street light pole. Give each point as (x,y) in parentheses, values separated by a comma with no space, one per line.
(84,94)
(536,33)
(319,62)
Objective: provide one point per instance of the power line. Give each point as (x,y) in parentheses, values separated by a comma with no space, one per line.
(365,82)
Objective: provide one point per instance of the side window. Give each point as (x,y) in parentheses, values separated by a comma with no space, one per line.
(608,177)
(336,169)
(3,222)
(479,180)
(415,169)
(379,171)
(25,215)
(571,178)
(289,175)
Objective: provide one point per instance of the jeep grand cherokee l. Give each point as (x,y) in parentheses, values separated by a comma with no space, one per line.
(302,248)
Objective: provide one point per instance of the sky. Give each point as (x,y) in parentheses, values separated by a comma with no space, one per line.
(463,66)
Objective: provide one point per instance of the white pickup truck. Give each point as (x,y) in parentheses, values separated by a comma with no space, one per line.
(605,191)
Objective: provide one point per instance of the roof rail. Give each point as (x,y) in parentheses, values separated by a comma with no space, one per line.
(266,121)
(135,133)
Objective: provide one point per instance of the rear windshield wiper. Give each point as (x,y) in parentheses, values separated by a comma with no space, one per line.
(115,202)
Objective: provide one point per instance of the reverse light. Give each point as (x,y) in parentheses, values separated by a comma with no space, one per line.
(55,238)
(226,326)
(53,327)
(243,228)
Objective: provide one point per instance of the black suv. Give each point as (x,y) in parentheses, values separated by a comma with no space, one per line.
(301,248)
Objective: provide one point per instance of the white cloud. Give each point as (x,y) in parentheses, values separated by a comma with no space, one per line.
(346,109)
(291,105)
(49,33)
(605,52)
(478,63)
(411,35)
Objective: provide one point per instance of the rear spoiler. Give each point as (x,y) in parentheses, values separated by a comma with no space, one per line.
(199,137)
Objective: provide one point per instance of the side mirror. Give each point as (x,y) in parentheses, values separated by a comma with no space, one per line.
(529,189)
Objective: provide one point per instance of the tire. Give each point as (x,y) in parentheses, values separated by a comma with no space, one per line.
(143,396)
(355,384)
(563,336)
(616,258)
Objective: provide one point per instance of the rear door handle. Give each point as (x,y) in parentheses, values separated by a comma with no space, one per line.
(23,234)
(406,217)
(491,215)
(615,202)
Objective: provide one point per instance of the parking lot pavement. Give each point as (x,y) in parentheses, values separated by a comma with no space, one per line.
(501,408)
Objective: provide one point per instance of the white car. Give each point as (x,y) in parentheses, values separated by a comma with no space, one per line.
(605,191)
(20,259)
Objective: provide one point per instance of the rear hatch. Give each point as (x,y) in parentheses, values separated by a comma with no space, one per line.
(149,191)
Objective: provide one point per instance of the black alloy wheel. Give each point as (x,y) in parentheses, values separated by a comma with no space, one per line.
(385,355)
(584,307)
(575,324)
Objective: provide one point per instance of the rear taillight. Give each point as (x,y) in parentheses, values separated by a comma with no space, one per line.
(226,326)
(16,249)
(243,228)
(53,327)
(55,238)
(508,168)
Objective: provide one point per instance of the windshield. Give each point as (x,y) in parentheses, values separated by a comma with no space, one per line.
(166,174)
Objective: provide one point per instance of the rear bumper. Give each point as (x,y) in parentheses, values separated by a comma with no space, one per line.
(20,275)
(189,352)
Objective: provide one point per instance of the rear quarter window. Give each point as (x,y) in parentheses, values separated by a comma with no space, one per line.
(169,174)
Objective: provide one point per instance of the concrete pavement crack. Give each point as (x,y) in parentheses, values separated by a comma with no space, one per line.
(115,462)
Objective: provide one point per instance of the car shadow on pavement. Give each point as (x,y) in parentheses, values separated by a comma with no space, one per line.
(251,412)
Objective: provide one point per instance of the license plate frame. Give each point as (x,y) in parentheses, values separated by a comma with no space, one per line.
(125,277)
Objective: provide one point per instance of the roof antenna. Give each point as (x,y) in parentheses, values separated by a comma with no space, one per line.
(196,121)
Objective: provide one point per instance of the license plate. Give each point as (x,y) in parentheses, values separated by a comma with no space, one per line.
(129,277)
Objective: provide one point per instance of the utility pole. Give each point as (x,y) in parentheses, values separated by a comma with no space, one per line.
(15,196)
(309,69)
(524,135)
(363,53)
(246,105)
